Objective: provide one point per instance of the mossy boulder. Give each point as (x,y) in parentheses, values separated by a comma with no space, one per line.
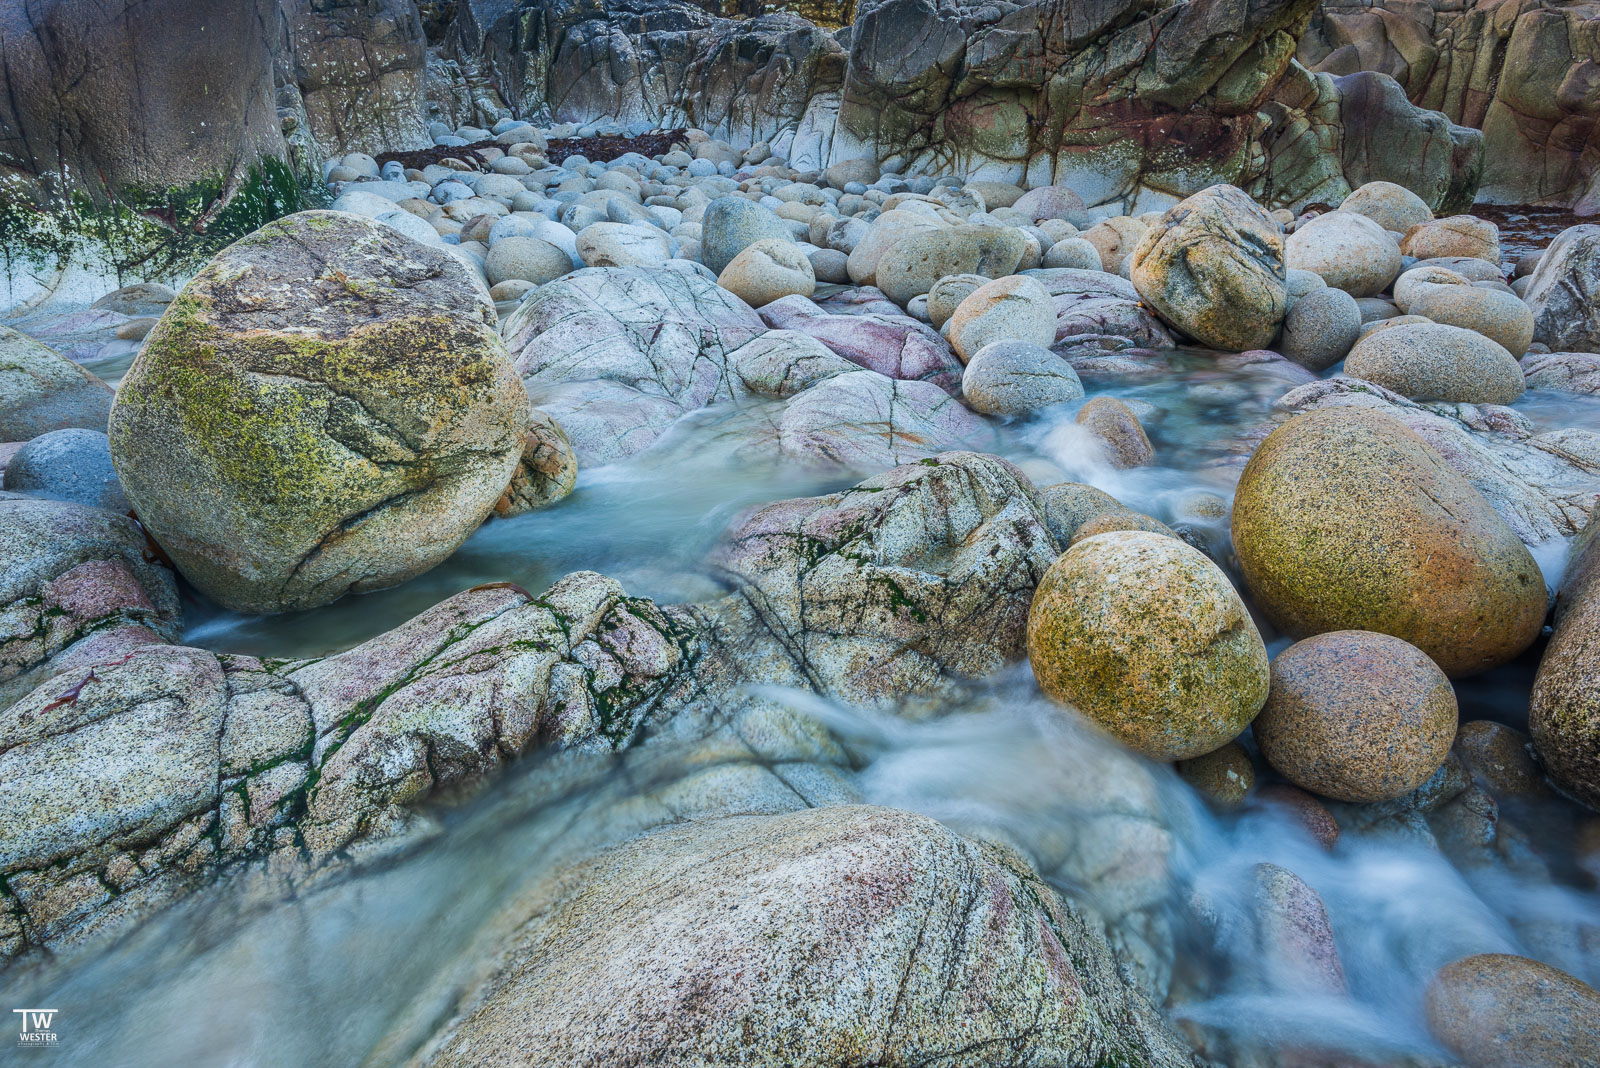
(326,408)
(1145,636)
(1347,520)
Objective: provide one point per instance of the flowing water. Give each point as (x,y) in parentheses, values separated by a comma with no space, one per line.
(361,966)
(358,968)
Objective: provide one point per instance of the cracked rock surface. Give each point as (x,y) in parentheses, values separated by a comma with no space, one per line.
(842,935)
(888,588)
(326,408)
(78,584)
(127,784)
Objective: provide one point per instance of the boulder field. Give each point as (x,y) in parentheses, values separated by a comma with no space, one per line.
(1247,474)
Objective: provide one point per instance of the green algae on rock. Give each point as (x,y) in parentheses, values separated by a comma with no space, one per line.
(1345,519)
(148,232)
(1147,637)
(326,408)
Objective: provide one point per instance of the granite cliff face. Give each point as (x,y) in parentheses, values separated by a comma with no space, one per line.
(1124,101)
(1525,72)
(130,98)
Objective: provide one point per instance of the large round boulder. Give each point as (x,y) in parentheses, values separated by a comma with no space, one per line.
(1564,710)
(1345,519)
(1356,716)
(526,259)
(1435,362)
(911,266)
(1496,1010)
(1147,637)
(326,408)
(1349,251)
(887,230)
(1214,268)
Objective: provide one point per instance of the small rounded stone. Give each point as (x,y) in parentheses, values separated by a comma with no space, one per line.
(1356,716)
(1119,518)
(1225,775)
(1304,809)
(1122,439)
(1497,756)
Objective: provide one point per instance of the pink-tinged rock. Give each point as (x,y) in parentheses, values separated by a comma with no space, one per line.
(893,345)
(859,300)
(1266,361)
(1096,357)
(1293,936)
(615,354)
(1574,372)
(866,422)
(70,573)
(1099,304)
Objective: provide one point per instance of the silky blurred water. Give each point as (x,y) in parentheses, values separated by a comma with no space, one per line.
(359,969)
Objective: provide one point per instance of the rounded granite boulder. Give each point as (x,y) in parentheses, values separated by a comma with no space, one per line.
(1014,308)
(1391,206)
(1349,251)
(326,408)
(731,225)
(1345,519)
(769,270)
(68,465)
(1017,378)
(1147,637)
(1356,716)
(1435,362)
(912,265)
(1496,1010)
(1214,268)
